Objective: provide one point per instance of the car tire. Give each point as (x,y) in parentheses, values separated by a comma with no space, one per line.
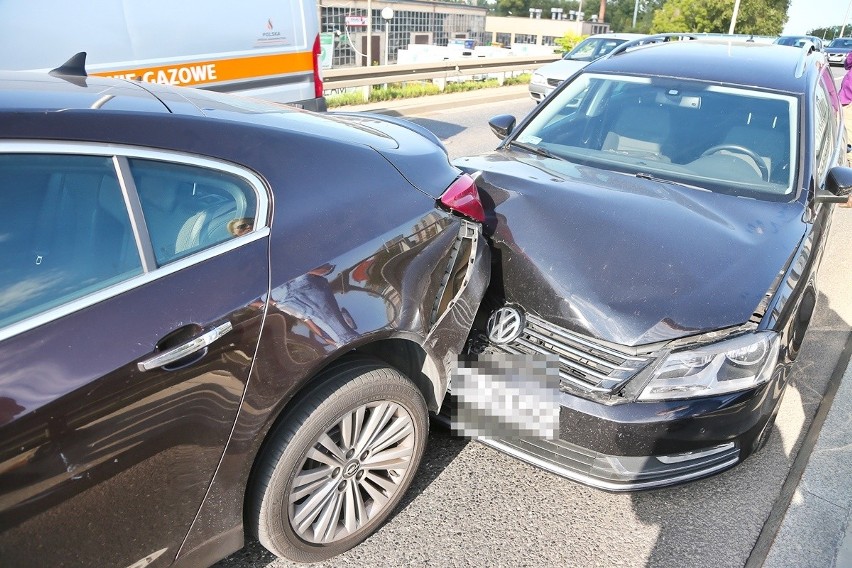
(337,466)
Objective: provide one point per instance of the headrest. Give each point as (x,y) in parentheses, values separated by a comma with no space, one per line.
(157,191)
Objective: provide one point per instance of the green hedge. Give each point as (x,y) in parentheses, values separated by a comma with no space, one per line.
(410,90)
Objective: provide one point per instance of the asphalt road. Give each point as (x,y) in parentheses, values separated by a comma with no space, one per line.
(472,506)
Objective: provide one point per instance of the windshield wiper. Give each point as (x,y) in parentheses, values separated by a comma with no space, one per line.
(535,149)
(645,175)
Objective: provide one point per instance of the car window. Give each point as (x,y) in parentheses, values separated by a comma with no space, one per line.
(729,140)
(585,49)
(189,208)
(797,41)
(64,232)
(592,48)
(605,46)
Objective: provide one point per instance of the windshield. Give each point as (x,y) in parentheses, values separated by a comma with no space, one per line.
(722,139)
(795,41)
(593,47)
(841,42)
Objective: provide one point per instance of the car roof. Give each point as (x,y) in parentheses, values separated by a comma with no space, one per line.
(612,35)
(43,94)
(22,90)
(769,66)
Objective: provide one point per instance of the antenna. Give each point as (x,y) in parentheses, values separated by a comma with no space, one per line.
(75,67)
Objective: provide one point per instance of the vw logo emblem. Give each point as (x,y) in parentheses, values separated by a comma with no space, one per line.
(505,325)
(350,469)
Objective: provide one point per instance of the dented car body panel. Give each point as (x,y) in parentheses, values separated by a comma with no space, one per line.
(345,259)
(630,261)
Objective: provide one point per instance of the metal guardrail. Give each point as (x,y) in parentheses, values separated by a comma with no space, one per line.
(442,70)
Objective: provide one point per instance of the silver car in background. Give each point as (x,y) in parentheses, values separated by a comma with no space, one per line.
(548,77)
(838,49)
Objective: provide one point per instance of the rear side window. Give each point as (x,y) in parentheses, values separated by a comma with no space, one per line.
(64,232)
(188,208)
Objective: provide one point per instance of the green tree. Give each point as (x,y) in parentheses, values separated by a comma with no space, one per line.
(568,41)
(759,17)
(829,33)
(513,7)
(619,15)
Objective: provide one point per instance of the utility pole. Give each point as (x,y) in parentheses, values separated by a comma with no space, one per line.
(734,17)
(369,33)
(845,18)
(635,12)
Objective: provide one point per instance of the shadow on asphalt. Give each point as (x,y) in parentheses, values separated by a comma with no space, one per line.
(441,449)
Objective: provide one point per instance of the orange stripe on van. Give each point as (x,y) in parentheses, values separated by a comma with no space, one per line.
(219,70)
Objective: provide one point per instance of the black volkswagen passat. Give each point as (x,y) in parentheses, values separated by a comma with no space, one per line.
(657,226)
(216,311)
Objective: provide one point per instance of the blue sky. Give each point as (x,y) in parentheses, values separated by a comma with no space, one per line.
(805,15)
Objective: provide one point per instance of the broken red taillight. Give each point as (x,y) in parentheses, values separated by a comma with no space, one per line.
(463,198)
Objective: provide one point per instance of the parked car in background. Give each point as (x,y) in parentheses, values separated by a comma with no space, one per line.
(549,76)
(660,222)
(797,41)
(206,328)
(838,49)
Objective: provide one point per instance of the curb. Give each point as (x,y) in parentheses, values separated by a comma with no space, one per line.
(805,503)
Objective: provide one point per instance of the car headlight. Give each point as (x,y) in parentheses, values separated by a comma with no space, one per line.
(735,364)
(538,79)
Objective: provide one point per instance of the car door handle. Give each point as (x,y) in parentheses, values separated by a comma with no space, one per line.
(185,349)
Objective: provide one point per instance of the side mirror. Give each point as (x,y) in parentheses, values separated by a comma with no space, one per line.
(838,186)
(502,125)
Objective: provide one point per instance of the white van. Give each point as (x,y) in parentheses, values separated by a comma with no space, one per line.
(262,48)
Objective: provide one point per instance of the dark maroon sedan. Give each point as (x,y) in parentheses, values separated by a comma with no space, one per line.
(217,312)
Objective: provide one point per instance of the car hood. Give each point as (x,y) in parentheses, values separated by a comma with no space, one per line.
(562,69)
(629,260)
(837,49)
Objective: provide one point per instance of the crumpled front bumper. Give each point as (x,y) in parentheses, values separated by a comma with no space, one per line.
(639,445)
(605,437)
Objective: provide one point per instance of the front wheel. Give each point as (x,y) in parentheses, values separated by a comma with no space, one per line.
(337,467)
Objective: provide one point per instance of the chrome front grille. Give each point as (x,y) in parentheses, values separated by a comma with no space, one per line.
(583,362)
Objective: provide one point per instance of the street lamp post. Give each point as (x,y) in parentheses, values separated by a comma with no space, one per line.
(734,17)
(845,18)
(387,15)
(369,33)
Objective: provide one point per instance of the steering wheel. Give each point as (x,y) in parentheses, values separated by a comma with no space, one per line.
(737,149)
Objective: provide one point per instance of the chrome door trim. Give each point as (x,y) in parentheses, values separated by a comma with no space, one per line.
(174,156)
(119,155)
(134,206)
